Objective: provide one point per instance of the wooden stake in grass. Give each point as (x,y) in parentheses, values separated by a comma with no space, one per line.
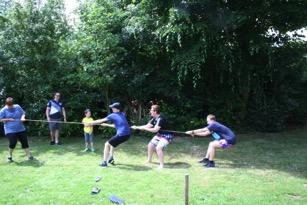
(186,190)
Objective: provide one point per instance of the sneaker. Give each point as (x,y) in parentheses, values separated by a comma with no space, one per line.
(92,150)
(204,160)
(98,178)
(58,143)
(10,159)
(85,150)
(95,190)
(210,164)
(52,142)
(111,160)
(31,158)
(103,164)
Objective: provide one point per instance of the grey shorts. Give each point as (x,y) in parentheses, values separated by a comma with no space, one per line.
(53,125)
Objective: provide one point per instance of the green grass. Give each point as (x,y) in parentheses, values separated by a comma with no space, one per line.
(260,169)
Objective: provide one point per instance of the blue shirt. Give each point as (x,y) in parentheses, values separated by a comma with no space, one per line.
(222,131)
(15,112)
(120,122)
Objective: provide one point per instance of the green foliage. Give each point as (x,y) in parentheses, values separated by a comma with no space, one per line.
(196,57)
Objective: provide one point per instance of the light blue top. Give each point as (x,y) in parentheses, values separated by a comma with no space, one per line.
(15,112)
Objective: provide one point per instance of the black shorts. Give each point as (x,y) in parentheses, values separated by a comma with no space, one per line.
(117,140)
(21,136)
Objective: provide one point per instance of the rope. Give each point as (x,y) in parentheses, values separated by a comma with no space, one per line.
(62,122)
(80,123)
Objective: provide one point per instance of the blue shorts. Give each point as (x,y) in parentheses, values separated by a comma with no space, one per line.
(224,144)
(88,137)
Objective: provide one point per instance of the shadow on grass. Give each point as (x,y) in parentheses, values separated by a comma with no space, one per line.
(284,151)
(132,167)
(40,146)
(177,165)
(33,163)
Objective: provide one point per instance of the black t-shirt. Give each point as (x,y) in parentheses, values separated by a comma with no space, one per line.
(161,122)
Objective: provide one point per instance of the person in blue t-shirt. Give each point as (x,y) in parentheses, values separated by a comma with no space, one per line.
(224,138)
(54,112)
(12,115)
(123,132)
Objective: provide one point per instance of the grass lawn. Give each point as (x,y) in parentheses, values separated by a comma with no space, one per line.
(260,169)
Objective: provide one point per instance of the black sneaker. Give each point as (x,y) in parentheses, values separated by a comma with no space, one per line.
(31,158)
(204,160)
(58,143)
(210,164)
(103,164)
(52,142)
(10,159)
(111,160)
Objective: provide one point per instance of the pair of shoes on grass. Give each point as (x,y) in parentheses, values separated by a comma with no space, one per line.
(10,159)
(87,149)
(55,143)
(207,163)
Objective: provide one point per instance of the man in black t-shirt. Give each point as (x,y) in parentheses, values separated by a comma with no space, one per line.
(162,138)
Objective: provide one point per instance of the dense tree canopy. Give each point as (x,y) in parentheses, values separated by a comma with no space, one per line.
(232,58)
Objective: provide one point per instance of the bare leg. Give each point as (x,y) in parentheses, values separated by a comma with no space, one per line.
(160,154)
(150,150)
(212,147)
(51,136)
(208,151)
(56,136)
(106,151)
(27,151)
(11,152)
(111,150)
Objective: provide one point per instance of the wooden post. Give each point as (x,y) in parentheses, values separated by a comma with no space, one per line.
(186,190)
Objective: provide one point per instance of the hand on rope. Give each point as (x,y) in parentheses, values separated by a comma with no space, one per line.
(192,133)
(134,127)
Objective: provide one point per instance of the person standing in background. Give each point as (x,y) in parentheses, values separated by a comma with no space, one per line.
(54,113)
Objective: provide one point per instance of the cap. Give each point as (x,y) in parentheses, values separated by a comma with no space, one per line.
(115,105)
